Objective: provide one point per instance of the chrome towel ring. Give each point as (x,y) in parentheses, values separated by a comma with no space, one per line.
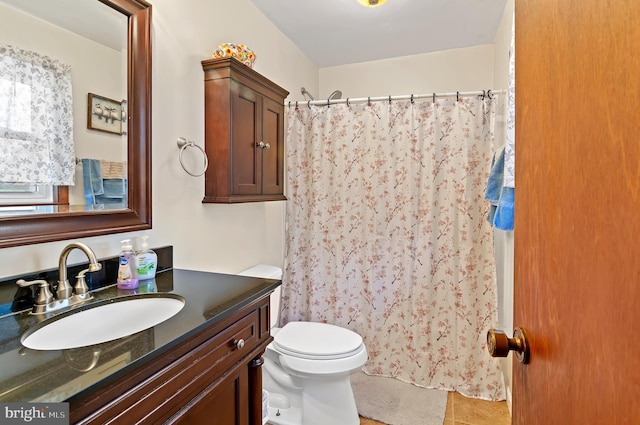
(183,144)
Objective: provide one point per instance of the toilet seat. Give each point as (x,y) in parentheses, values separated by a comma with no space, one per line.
(317,341)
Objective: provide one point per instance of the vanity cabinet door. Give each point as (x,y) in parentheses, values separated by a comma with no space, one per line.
(225,402)
(244,134)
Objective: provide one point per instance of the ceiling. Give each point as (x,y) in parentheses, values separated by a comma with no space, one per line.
(339,32)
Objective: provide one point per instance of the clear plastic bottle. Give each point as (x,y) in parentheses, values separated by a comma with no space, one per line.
(127,278)
(146,261)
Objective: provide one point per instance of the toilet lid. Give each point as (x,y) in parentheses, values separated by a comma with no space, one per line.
(313,340)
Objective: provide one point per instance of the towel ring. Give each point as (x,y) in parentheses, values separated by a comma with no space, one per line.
(184,144)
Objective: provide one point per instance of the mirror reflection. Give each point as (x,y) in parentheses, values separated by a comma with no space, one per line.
(63,106)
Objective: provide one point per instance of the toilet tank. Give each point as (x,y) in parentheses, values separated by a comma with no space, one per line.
(266,271)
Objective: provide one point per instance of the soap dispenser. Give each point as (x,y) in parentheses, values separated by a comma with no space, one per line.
(127,278)
(146,261)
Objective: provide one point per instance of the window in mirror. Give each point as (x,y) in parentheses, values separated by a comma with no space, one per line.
(25,193)
(36,120)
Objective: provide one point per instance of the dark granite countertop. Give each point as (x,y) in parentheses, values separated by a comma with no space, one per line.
(33,375)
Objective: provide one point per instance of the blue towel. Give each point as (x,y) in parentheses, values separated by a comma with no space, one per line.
(115,192)
(92,179)
(504,214)
(496,179)
(114,188)
(501,212)
(102,191)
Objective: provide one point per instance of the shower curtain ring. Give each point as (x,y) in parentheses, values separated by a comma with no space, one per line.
(457,96)
(347,102)
(328,102)
(368,101)
(389,100)
(434,98)
(296,105)
(490,94)
(411,98)
(309,104)
(483,94)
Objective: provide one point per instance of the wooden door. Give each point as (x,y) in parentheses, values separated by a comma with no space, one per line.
(577,224)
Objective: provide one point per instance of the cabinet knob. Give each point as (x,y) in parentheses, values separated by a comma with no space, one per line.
(267,146)
(239,343)
(261,144)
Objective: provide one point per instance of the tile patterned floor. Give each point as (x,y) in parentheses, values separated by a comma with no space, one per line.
(468,411)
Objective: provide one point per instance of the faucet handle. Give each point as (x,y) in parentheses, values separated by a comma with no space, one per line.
(44,295)
(81,284)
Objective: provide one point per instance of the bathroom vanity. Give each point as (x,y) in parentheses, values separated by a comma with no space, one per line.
(202,365)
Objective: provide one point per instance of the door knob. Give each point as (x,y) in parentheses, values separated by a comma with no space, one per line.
(499,344)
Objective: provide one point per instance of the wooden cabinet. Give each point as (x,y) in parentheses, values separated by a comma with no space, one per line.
(213,377)
(244,134)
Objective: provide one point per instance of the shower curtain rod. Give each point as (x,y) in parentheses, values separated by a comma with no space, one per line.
(327,102)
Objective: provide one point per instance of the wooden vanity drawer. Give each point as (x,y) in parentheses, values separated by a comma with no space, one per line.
(167,391)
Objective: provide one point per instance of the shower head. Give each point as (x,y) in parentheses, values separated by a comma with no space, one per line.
(306,93)
(337,94)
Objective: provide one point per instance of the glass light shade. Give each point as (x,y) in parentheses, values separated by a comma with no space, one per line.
(372,3)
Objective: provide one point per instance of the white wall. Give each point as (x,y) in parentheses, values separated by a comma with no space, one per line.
(453,70)
(208,237)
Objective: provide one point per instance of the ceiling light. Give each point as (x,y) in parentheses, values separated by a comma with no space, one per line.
(372,3)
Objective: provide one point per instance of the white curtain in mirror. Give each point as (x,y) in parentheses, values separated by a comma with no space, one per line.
(36,119)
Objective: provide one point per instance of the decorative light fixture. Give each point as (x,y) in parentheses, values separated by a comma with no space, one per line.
(372,3)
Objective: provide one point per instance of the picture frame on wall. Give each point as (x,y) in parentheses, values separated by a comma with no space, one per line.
(106,114)
(124,117)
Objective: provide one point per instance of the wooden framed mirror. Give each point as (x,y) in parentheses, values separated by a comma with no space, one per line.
(67,222)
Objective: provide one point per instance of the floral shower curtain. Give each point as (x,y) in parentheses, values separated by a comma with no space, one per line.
(387,235)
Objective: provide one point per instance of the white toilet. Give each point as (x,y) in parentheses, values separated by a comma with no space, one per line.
(307,368)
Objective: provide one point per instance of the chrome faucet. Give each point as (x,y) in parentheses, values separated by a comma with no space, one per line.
(45,301)
(64,290)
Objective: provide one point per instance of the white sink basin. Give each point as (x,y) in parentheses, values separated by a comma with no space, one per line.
(102,321)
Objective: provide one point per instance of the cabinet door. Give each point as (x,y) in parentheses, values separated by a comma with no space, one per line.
(225,402)
(245,135)
(272,157)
